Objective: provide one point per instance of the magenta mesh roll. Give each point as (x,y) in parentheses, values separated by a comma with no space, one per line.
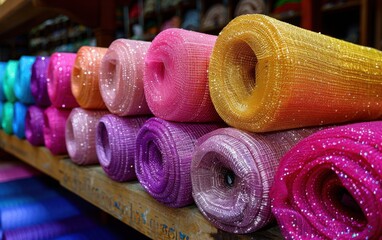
(54,129)
(58,80)
(34,125)
(116,144)
(163,159)
(80,135)
(232,172)
(39,81)
(121,77)
(329,185)
(175,80)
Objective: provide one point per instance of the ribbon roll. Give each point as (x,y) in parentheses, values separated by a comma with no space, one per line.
(7,117)
(85,77)
(54,129)
(175,80)
(3,67)
(34,126)
(121,77)
(163,159)
(18,123)
(58,80)
(80,135)
(22,85)
(116,145)
(39,81)
(232,172)
(9,80)
(267,75)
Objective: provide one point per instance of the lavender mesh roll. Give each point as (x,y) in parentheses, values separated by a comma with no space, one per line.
(39,88)
(34,125)
(232,172)
(22,85)
(163,159)
(18,123)
(116,144)
(80,135)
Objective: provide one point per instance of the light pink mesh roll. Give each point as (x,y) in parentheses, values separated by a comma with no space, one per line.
(121,78)
(175,81)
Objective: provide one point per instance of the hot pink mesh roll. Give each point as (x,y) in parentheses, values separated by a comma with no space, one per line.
(329,185)
(175,80)
(58,80)
(54,129)
(121,78)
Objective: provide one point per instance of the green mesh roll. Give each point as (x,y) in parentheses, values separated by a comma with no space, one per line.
(9,80)
(6,121)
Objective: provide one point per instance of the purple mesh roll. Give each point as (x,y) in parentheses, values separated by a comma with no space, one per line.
(116,144)
(38,84)
(163,160)
(34,126)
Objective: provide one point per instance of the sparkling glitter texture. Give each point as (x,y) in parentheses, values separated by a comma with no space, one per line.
(18,123)
(38,80)
(34,125)
(116,144)
(80,135)
(329,185)
(163,160)
(22,85)
(175,80)
(85,77)
(9,80)
(3,67)
(267,75)
(58,80)
(121,77)
(7,119)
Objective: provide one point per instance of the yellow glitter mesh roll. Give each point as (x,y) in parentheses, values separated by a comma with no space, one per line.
(267,75)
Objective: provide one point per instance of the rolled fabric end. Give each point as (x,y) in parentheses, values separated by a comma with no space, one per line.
(22,86)
(175,79)
(34,125)
(58,80)
(121,75)
(85,77)
(18,123)
(7,119)
(39,88)
(3,67)
(80,135)
(329,185)
(54,129)
(9,80)
(116,145)
(163,159)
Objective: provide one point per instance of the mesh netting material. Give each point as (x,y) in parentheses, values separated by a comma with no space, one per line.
(215,17)
(34,125)
(116,144)
(18,122)
(163,159)
(121,77)
(85,77)
(329,185)
(22,85)
(7,118)
(250,7)
(175,79)
(58,80)
(232,172)
(54,129)
(14,172)
(9,80)
(80,135)
(267,75)
(1,113)
(3,67)
(39,88)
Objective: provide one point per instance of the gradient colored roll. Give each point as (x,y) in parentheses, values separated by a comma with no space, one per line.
(3,67)
(59,80)
(175,80)
(267,75)
(85,77)
(163,159)
(116,145)
(121,77)
(80,135)
(54,129)
(9,80)
(329,185)
(22,85)
(7,118)
(232,172)
(38,83)
(34,125)
(18,123)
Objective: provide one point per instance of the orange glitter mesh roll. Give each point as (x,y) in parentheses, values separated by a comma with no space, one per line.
(85,77)
(267,75)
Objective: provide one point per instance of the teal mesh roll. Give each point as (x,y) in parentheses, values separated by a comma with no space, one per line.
(6,121)
(3,67)
(22,87)
(9,80)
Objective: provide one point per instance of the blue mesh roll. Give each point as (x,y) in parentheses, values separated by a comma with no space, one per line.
(18,123)
(3,66)
(90,234)
(23,80)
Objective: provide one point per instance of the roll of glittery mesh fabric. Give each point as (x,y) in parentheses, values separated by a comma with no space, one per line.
(175,79)
(116,144)
(22,85)
(7,118)
(329,185)
(1,112)
(163,159)
(59,80)
(80,135)
(267,75)
(3,67)
(9,80)
(54,129)
(121,77)
(34,125)
(232,172)
(85,77)
(38,83)
(18,123)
